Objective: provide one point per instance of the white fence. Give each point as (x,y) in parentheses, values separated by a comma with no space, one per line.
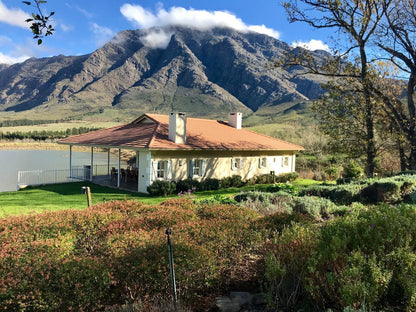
(53,176)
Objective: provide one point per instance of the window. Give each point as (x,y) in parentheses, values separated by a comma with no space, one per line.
(162,167)
(285,161)
(162,170)
(236,163)
(263,162)
(197,167)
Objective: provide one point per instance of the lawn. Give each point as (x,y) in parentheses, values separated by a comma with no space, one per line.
(61,196)
(68,196)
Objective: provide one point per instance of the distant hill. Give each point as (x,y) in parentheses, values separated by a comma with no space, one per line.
(204,73)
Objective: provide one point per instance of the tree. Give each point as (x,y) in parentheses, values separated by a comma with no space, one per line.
(40,22)
(398,40)
(358,19)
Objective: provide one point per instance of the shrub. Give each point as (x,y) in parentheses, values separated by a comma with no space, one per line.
(187,184)
(219,200)
(287,177)
(285,187)
(42,268)
(352,170)
(209,185)
(317,208)
(233,181)
(265,179)
(364,260)
(340,194)
(265,203)
(381,192)
(161,188)
(332,172)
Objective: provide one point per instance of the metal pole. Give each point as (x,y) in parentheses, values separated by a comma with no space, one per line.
(172,270)
(70,161)
(118,169)
(92,163)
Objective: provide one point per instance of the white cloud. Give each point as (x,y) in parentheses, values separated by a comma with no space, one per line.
(178,16)
(312,45)
(66,27)
(84,12)
(8,59)
(14,17)
(102,34)
(156,39)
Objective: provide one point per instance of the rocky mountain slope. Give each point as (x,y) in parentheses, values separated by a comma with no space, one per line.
(200,72)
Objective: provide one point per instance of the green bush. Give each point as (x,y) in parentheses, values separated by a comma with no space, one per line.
(332,172)
(187,185)
(233,181)
(381,192)
(352,170)
(161,188)
(265,203)
(341,194)
(209,185)
(317,208)
(365,260)
(285,187)
(389,190)
(287,177)
(264,179)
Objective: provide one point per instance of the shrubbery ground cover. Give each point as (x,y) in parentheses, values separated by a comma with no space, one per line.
(311,249)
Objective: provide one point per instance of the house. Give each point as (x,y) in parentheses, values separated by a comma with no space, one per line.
(174,147)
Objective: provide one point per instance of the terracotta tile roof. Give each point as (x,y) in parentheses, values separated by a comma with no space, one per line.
(150,131)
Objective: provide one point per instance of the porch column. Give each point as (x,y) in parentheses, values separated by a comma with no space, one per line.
(108,162)
(92,163)
(293,162)
(118,171)
(145,163)
(70,161)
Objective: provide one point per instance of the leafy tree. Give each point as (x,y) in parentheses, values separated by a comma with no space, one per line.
(398,39)
(40,22)
(358,19)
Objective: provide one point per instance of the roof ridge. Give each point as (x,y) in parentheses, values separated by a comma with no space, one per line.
(98,130)
(154,131)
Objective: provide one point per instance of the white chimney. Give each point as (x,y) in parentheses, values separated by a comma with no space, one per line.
(177,127)
(235,120)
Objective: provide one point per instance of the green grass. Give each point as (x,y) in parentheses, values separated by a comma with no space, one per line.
(62,196)
(68,196)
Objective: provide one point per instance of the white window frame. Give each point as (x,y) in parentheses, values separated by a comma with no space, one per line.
(285,161)
(236,163)
(263,162)
(197,167)
(162,170)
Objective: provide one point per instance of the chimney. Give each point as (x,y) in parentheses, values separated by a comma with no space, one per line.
(177,127)
(234,120)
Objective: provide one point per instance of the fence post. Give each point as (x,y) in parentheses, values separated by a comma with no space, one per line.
(172,270)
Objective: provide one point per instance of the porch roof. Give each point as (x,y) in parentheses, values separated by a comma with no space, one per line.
(150,131)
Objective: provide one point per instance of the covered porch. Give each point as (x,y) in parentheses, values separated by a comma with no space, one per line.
(128,175)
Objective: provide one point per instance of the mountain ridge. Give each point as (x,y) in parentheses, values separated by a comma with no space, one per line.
(204,73)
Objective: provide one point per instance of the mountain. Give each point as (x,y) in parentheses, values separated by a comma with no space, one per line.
(200,72)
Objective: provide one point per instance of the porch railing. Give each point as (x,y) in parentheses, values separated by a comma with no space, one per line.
(53,176)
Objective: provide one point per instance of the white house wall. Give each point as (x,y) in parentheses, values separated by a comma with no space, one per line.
(219,164)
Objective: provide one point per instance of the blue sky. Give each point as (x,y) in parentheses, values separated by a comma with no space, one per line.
(84,26)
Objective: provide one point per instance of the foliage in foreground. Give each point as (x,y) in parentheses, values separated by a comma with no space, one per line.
(116,253)
(366,259)
(307,252)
